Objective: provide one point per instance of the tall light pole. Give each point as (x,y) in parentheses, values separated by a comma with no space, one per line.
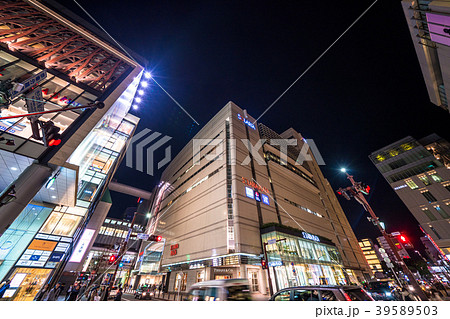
(357,191)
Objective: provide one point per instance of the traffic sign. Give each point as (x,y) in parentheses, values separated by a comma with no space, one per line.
(28,83)
(35,102)
(396,233)
(143,236)
(271,241)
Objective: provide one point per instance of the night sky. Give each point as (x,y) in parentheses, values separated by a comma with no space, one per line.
(365,93)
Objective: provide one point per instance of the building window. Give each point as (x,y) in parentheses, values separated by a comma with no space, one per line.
(254,281)
(436,178)
(180,282)
(411,184)
(424,180)
(441,212)
(435,232)
(200,276)
(447,187)
(429,214)
(429,196)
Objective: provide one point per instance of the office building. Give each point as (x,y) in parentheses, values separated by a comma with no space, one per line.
(400,248)
(372,256)
(419,172)
(221,208)
(50,191)
(428,23)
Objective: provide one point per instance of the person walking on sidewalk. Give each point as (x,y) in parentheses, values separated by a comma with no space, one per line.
(118,296)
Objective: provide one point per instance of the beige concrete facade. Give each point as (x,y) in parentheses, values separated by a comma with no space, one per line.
(212,228)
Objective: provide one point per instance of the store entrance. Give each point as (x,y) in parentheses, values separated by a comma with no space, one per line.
(26,282)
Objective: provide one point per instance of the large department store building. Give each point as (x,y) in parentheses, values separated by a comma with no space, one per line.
(58,188)
(218,215)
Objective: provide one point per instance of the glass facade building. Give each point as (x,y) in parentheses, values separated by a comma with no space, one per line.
(294,260)
(63,183)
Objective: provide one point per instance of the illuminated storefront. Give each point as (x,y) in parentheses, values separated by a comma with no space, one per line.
(299,258)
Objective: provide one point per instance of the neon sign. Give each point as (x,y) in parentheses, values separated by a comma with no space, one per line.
(310,236)
(246,121)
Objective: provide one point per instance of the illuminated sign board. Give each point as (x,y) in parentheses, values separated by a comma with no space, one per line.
(399,187)
(310,236)
(82,246)
(246,121)
(265,199)
(439,26)
(250,183)
(257,196)
(249,192)
(275,263)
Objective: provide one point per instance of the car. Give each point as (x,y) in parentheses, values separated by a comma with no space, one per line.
(220,290)
(322,293)
(144,293)
(380,290)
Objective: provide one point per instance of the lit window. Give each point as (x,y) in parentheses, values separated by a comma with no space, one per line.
(411,184)
(425,180)
(107,221)
(436,178)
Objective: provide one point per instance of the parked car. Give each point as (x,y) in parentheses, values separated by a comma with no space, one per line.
(220,290)
(322,293)
(144,293)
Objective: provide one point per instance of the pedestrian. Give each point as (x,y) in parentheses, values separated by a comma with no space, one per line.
(68,292)
(105,294)
(74,292)
(59,290)
(3,287)
(42,293)
(118,296)
(93,295)
(50,295)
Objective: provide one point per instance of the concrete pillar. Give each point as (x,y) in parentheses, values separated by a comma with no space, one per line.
(26,186)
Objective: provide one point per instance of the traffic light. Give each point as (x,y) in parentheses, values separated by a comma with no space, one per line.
(264,264)
(51,135)
(112,259)
(343,193)
(154,238)
(363,188)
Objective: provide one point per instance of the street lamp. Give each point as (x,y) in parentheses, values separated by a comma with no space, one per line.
(357,191)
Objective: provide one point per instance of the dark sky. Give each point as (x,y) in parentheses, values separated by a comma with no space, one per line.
(365,93)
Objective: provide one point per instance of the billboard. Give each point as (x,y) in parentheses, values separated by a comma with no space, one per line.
(439,26)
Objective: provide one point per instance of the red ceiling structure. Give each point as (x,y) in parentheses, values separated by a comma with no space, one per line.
(27,30)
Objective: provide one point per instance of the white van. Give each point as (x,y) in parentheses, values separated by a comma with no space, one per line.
(219,290)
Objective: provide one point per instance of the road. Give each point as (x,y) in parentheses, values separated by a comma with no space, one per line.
(130,297)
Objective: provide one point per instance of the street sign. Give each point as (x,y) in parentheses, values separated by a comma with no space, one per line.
(28,83)
(143,236)
(272,241)
(396,233)
(35,101)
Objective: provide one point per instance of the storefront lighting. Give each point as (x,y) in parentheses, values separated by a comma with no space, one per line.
(14,168)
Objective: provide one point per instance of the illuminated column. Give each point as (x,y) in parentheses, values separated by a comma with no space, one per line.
(26,186)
